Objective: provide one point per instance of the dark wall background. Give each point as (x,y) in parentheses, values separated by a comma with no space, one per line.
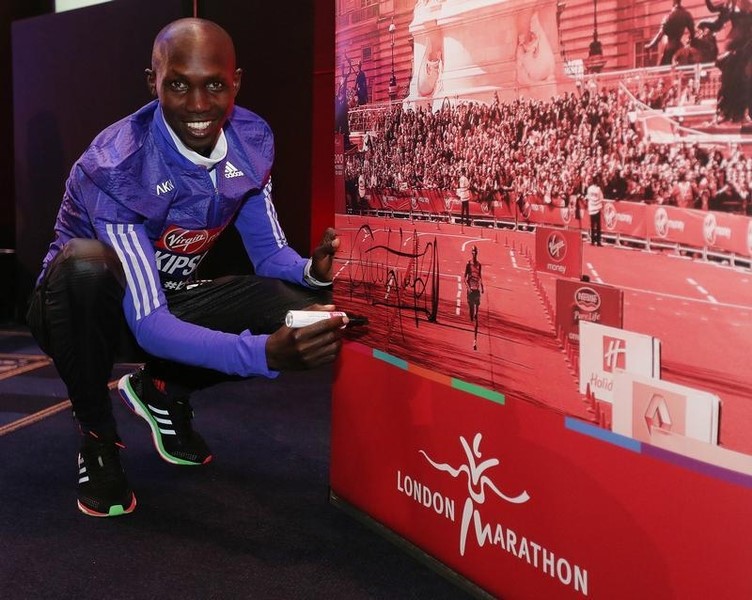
(10,11)
(73,74)
(78,71)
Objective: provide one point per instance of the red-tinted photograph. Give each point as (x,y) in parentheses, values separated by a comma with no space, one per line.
(550,199)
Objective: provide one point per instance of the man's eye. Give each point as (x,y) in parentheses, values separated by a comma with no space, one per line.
(178,86)
(215,86)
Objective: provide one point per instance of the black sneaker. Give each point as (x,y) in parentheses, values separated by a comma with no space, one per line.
(169,418)
(103,490)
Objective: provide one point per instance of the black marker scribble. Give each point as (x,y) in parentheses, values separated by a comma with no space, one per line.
(383,274)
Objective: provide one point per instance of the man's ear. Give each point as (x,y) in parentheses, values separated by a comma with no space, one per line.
(237,76)
(151,81)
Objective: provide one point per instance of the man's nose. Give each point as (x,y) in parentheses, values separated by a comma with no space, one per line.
(198,100)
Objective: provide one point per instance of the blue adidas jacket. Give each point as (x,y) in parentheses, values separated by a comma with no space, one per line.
(134,191)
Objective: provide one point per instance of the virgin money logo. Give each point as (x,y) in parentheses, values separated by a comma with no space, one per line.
(713,233)
(556,246)
(661,222)
(566,214)
(610,216)
(664,225)
(708,229)
(587,299)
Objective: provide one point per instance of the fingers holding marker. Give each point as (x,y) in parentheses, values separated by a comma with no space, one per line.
(302,318)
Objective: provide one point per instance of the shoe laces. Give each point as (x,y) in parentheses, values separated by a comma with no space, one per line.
(182,413)
(178,406)
(102,457)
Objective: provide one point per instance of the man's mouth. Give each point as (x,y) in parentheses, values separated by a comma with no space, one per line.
(198,127)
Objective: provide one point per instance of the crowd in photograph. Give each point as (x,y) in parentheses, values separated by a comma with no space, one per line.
(547,151)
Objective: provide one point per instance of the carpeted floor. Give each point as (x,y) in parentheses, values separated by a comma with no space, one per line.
(255,523)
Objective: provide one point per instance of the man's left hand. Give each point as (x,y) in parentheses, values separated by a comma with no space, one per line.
(322,259)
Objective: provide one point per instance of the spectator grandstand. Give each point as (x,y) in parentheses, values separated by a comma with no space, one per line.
(540,150)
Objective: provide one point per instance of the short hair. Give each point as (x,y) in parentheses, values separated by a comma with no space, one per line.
(190,26)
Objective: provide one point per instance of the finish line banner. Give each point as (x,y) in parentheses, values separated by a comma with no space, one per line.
(526,503)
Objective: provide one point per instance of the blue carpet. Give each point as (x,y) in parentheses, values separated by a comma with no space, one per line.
(255,523)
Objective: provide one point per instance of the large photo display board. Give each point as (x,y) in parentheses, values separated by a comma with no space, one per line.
(545,214)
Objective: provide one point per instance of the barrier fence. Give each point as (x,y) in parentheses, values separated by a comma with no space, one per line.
(715,234)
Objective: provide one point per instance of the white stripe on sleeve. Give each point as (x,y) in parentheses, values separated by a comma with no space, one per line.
(271,213)
(152,291)
(143,301)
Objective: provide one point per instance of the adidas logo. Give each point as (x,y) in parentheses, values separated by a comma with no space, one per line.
(232,171)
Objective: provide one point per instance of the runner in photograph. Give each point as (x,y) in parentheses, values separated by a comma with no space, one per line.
(474,286)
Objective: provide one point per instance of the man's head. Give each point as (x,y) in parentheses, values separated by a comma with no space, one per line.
(475,251)
(193,73)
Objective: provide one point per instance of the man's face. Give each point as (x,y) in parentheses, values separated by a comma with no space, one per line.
(196,83)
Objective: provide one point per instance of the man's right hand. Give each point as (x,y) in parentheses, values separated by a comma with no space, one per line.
(307,347)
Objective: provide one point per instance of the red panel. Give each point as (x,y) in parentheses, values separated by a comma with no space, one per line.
(628,525)
(558,251)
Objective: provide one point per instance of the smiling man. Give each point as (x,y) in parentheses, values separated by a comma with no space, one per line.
(196,90)
(142,207)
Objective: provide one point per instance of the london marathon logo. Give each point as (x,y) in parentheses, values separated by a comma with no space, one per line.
(481,490)
(477,483)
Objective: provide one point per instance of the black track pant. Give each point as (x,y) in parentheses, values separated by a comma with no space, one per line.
(76,316)
(465,212)
(595,229)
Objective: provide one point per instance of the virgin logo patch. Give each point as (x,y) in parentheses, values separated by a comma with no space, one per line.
(557,247)
(186,241)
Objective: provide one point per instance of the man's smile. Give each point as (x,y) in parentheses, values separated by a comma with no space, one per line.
(198,127)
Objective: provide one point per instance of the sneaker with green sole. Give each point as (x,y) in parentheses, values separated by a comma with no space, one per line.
(168,416)
(103,489)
